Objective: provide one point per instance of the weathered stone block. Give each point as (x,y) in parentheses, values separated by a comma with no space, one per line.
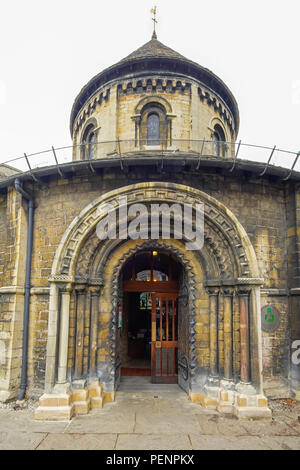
(80,395)
(252,412)
(241,401)
(97,402)
(54,400)
(109,397)
(82,407)
(54,413)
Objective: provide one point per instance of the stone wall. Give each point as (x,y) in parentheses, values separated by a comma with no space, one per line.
(194,113)
(259,204)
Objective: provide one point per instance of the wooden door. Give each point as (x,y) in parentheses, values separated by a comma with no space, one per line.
(164,339)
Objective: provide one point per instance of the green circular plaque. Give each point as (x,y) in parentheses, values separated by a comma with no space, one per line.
(270,318)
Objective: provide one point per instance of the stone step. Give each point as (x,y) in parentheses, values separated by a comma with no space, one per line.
(143,384)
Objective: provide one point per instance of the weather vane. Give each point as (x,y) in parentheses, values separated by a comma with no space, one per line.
(153,11)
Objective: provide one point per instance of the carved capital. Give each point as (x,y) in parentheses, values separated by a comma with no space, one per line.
(244,291)
(94,290)
(228,291)
(80,288)
(213,291)
(66,288)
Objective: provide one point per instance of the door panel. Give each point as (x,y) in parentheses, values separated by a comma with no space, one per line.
(164,350)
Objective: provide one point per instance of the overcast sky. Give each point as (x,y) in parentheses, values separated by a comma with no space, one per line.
(50,49)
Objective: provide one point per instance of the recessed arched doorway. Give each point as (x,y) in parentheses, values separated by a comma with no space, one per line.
(219,341)
(148,339)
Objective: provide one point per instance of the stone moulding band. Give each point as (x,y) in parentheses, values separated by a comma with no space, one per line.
(234,282)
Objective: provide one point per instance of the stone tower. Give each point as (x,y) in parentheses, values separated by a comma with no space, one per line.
(154,87)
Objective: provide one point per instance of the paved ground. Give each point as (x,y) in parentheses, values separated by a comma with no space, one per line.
(141,421)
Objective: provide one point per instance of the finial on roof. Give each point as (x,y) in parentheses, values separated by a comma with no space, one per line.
(154,36)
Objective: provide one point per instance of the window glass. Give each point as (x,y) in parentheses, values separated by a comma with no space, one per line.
(216,144)
(153,129)
(91,145)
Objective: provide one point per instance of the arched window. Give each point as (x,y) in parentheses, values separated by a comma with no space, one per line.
(154,126)
(153,131)
(219,141)
(88,143)
(91,144)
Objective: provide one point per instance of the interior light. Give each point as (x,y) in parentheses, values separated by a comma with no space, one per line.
(154,253)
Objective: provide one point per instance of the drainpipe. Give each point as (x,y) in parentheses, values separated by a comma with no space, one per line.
(27,285)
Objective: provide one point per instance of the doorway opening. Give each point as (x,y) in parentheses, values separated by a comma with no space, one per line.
(137,313)
(148,317)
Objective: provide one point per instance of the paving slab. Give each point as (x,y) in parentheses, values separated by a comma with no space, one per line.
(150,421)
(216,424)
(153,442)
(217,442)
(103,423)
(78,442)
(293,422)
(164,423)
(283,442)
(15,440)
(272,428)
(23,421)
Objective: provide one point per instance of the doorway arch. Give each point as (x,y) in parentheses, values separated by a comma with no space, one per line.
(222,282)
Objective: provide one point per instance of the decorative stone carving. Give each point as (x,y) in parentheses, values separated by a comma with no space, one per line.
(219,220)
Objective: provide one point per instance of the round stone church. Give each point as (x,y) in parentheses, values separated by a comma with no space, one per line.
(80,315)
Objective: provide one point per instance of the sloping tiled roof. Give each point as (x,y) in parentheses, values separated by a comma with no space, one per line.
(151,49)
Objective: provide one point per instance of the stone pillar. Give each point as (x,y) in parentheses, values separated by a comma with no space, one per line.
(95,292)
(63,335)
(243,294)
(228,352)
(52,338)
(80,311)
(213,293)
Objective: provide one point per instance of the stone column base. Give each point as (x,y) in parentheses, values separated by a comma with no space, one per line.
(81,401)
(109,397)
(62,405)
(232,402)
(55,407)
(96,394)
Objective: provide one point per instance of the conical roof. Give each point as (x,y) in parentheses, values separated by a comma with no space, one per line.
(153,49)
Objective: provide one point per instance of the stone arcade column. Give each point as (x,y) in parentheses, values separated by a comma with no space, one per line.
(80,391)
(95,389)
(80,313)
(64,333)
(249,401)
(226,392)
(244,295)
(211,388)
(85,391)
(213,293)
(56,403)
(95,293)
(228,344)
